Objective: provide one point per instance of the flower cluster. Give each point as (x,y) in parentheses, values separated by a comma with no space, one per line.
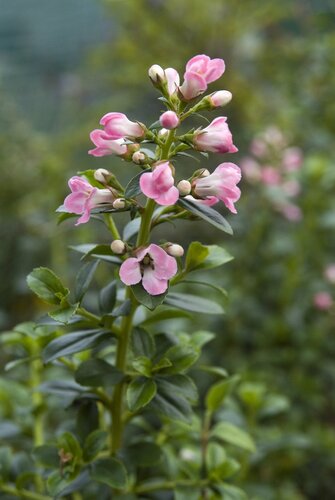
(274,165)
(146,263)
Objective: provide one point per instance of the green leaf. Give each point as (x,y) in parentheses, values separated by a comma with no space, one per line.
(214,370)
(143,343)
(71,343)
(69,443)
(109,471)
(144,298)
(171,403)
(219,391)
(215,456)
(225,431)
(205,257)
(181,357)
(58,486)
(107,297)
(131,229)
(94,443)
(5,461)
(207,214)
(97,372)
(164,314)
(140,392)
(187,493)
(202,337)
(84,278)
(64,313)
(144,454)
(230,492)
(143,365)
(179,384)
(193,303)
(46,285)
(47,456)
(133,187)
(196,255)
(102,252)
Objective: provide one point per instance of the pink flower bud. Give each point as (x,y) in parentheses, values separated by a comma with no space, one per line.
(159,185)
(216,137)
(184,187)
(290,211)
(156,74)
(169,120)
(84,197)
(270,176)
(119,203)
(138,157)
(220,185)
(220,98)
(118,247)
(194,85)
(330,273)
(174,250)
(173,80)
(323,301)
(251,169)
(152,266)
(105,145)
(117,126)
(209,69)
(292,159)
(101,175)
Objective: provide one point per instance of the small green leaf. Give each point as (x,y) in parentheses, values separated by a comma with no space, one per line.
(187,493)
(84,278)
(171,403)
(64,313)
(131,229)
(143,365)
(144,298)
(47,456)
(59,487)
(231,434)
(143,343)
(133,187)
(144,454)
(107,297)
(181,357)
(196,255)
(109,471)
(230,492)
(179,384)
(202,337)
(94,443)
(69,443)
(73,342)
(164,314)
(215,456)
(193,303)
(219,391)
(102,252)
(207,214)
(46,285)
(97,372)
(140,392)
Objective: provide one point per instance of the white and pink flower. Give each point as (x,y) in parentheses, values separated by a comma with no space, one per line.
(169,120)
(200,71)
(105,145)
(118,126)
(220,185)
(159,185)
(323,301)
(216,137)
(152,266)
(84,197)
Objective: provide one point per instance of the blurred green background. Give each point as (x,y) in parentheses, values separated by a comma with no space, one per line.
(64,63)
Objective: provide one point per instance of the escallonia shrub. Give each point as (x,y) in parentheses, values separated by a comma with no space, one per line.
(112,407)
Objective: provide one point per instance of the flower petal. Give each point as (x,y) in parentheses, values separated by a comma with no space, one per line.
(152,284)
(165,265)
(130,272)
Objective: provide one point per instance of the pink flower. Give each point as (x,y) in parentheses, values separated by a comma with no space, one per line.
(290,211)
(292,159)
(173,80)
(117,126)
(169,120)
(330,273)
(209,201)
(251,169)
(323,301)
(153,266)
(216,137)
(270,176)
(220,98)
(258,147)
(194,85)
(291,187)
(84,198)
(209,69)
(159,185)
(105,145)
(221,184)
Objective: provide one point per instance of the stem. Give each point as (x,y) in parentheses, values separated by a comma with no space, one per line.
(204,443)
(144,232)
(170,485)
(25,494)
(166,146)
(112,226)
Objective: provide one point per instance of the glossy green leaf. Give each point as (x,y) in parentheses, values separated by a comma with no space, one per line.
(193,303)
(230,492)
(187,493)
(71,343)
(215,456)
(59,487)
(196,255)
(232,434)
(171,404)
(97,372)
(144,298)
(140,392)
(47,456)
(131,229)
(64,314)
(143,365)
(107,297)
(179,384)
(102,252)
(163,315)
(133,187)
(143,343)
(206,213)
(205,257)
(202,337)
(181,357)
(46,285)
(109,471)
(84,278)
(219,391)
(94,443)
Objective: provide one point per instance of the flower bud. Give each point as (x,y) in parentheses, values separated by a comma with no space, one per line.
(169,120)
(174,250)
(138,157)
(118,247)
(204,173)
(220,98)
(184,187)
(102,175)
(156,74)
(162,132)
(119,203)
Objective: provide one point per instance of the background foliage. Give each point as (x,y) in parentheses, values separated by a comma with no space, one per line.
(280,58)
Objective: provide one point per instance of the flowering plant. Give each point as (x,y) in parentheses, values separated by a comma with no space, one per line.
(136,434)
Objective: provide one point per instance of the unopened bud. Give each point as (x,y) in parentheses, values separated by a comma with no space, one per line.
(102,175)
(162,132)
(220,98)
(118,247)
(205,173)
(138,157)
(169,120)
(174,250)
(156,74)
(184,187)
(119,203)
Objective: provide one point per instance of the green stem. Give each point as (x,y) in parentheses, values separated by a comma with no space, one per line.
(88,315)
(112,226)
(25,494)
(204,444)
(165,150)
(171,485)
(144,232)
